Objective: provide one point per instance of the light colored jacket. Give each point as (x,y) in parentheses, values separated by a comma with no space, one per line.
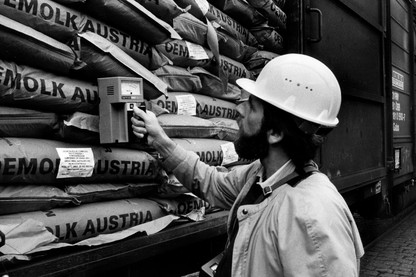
(307,230)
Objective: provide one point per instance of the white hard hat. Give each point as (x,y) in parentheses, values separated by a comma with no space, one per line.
(300,85)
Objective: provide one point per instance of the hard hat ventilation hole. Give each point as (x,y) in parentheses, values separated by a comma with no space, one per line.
(298,84)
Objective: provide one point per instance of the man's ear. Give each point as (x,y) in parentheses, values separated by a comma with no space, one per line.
(274,137)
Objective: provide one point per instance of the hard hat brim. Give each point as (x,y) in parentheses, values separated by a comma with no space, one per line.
(247,84)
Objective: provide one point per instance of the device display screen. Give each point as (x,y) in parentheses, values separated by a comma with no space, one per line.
(130,88)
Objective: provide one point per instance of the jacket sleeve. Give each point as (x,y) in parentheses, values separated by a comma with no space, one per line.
(219,188)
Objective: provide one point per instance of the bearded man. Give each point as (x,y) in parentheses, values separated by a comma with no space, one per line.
(286,218)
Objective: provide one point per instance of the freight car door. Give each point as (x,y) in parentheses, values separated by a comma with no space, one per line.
(348,35)
(401,87)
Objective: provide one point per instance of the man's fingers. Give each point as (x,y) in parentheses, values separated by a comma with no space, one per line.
(137,122)
(147,116)
(138,113)
(139,129)
(139,135)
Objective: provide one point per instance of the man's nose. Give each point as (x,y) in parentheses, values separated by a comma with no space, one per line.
(239,110)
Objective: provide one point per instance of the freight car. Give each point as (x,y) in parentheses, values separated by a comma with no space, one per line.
(370,46)
(370,156)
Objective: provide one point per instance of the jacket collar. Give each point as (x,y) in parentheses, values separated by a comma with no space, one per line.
(282,172)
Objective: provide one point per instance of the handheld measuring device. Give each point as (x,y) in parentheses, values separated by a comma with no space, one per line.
(118,96)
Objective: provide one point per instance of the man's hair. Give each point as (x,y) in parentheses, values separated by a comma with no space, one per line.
(298,145)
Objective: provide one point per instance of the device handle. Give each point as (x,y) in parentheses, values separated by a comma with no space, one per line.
(142,106)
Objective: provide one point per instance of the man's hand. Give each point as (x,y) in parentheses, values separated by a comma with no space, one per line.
(146,123)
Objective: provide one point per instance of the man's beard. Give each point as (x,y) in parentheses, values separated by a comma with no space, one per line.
(252,147)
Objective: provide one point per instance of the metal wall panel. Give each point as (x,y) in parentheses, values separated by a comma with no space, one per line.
(399,35)
(399,11)
(352,45)
(371,8)
(355,144)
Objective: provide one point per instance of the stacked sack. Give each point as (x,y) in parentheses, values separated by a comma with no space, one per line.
(189,54)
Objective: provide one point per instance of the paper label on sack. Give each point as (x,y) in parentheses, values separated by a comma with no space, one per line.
(149,228)
(196,214)
(196,52)
(186,104)
(75,162)
(24,235)
(30,236)
(203,6)
(228,153)
(84,121)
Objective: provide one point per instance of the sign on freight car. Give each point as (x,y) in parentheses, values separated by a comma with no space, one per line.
(400,104)
(400,110)
(398,80)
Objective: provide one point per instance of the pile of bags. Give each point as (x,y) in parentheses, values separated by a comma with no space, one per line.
(189,53)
